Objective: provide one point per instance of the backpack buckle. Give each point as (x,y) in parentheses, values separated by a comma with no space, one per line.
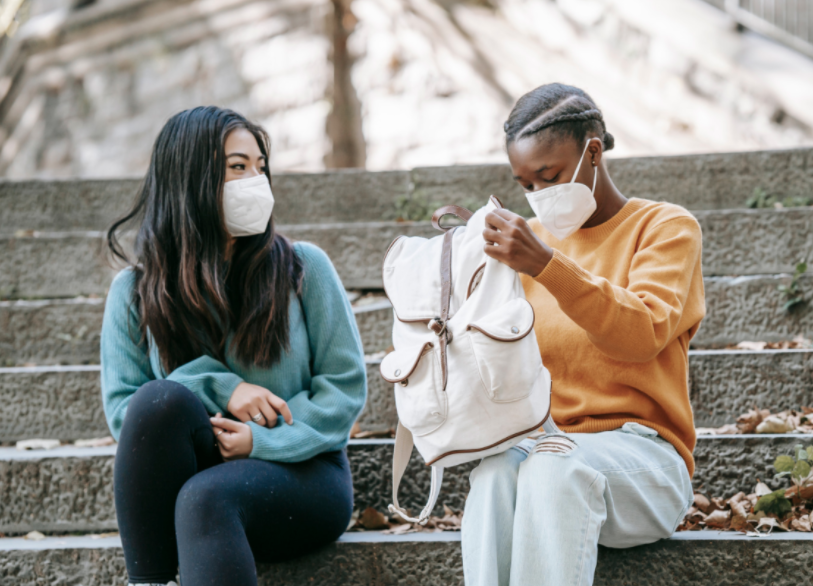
(438,326)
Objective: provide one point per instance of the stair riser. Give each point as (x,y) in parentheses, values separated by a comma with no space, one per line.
(697,182)
(750,308)
(67,405)
(742,242)
(439,563)
(76,493)
(67,332)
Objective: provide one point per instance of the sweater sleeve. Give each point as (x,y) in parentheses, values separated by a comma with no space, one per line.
(124,357)
(324,413)
(634,323)
(126,361)
(210,380)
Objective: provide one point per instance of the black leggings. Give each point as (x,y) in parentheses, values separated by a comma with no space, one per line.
(179,504)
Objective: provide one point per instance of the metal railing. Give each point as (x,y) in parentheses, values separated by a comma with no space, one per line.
(787,21)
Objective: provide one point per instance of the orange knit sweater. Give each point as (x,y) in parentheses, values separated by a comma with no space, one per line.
(615,310)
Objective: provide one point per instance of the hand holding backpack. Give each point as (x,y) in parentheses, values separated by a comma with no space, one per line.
(468,374)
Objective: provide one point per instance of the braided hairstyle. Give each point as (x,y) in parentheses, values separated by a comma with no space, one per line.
(565,110)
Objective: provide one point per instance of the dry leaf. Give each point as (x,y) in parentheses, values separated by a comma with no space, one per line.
(718,519)
(727,429)
(756,517)
(768,522)
(38,444)
(96,442)
(372,519)
(774,424)
(805,493)
(740,523)
(375,434)
(34,536)
(755,346)
(761,489)
(701,502)
(747,422)
(401,529)
(801,524)
(740,508)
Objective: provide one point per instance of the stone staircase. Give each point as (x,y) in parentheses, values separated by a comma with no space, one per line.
(53,278)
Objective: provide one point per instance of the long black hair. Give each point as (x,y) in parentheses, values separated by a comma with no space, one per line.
(189,298)
(564,110)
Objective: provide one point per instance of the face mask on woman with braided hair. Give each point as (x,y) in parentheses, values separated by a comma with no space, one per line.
(563,209)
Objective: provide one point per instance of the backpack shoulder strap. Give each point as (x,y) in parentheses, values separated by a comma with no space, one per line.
(400,460)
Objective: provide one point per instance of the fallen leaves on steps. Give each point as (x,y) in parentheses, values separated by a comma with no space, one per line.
(372,520)
(797,343)
(357,433)
(763,421)
(741,513)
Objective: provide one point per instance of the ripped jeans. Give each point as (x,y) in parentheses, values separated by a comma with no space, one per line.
(537,513)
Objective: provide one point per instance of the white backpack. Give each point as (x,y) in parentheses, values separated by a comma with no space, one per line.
(469,379)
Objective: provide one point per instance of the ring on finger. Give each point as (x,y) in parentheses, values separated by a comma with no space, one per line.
(218,433)
(257,418)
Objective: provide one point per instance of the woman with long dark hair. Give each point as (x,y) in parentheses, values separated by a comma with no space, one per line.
(617,289)
(232,368)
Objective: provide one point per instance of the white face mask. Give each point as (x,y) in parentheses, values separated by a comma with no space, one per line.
(247,205)
(563,209)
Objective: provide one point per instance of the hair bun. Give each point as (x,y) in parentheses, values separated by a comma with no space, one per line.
(609,141)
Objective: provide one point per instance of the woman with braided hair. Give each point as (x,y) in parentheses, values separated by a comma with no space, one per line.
(617,290)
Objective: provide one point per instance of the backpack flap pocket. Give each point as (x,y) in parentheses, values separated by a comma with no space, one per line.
(507,356)
(419,396)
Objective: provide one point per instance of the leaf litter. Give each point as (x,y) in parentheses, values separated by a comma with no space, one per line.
(797,343)
(373,520)
(764,421)
(764,510)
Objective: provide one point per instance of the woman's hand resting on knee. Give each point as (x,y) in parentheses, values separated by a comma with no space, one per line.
(232,437)
(254,403)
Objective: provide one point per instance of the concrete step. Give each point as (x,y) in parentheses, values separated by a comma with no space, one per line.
(70,489)
(434,559)
(63,402)
(66,331)
(750,308)
(69,264)
(697,182)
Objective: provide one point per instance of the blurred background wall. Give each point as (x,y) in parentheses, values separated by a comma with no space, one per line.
(384,84)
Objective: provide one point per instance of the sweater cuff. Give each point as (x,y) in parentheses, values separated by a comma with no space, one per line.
(223,386)
(563,277)
(259,439)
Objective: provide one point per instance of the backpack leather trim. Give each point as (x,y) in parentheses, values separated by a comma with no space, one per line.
(411,368)
(514,338)
(505,439)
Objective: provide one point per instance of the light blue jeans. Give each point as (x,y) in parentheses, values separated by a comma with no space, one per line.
(537,513)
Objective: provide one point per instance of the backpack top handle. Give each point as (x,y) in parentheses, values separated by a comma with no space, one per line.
(460,212)
(450,210)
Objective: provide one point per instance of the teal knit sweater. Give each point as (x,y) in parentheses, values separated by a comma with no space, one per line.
(322,376)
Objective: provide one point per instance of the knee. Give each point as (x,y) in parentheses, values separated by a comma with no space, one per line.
(497,473)
(160,401)
(197,505)
(558,468)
